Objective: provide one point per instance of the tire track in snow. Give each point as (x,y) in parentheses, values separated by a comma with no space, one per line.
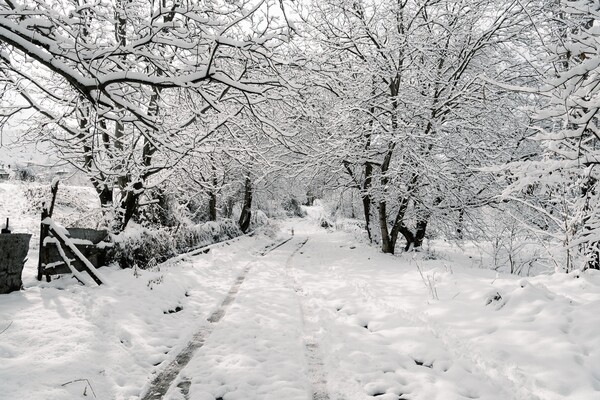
(162,382)
(313,352)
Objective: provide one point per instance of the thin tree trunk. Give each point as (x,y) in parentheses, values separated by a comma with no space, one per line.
(399,226)
(212,195)
(244,221)
(420,233)
(461,223)
(366,198)
(387,245)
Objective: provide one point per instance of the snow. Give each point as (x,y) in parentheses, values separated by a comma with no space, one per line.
(321,315)
(110,335)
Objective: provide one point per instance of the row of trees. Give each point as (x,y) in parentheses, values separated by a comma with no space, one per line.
(419,122)
(128,90)
(428,111)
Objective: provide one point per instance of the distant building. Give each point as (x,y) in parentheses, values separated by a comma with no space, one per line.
(4,174)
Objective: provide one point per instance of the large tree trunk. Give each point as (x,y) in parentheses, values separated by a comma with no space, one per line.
(244,221)
(388,242)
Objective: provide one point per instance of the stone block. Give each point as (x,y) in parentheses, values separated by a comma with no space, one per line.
(13,253)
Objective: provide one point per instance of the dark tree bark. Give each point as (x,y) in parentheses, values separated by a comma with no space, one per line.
(212,206)
(420,232)
(366,197)
(461,223)
(387,244)
(212,195)
(244,221)
(129,204)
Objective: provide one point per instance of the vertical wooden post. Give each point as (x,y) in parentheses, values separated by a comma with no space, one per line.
(43,233)
(6,228)
(53,190)
(43,256)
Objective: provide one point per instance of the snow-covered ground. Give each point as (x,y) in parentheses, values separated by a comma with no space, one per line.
(321,317)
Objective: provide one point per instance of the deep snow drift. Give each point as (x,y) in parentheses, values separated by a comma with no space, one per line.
(326,317)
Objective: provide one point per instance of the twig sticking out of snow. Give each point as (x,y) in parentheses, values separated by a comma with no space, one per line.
(88,385)
(5,329)
(429,282)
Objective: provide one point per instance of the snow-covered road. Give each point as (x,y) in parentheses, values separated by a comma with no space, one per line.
(326,318)
(323,316)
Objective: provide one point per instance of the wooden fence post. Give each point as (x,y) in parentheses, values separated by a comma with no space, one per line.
(43,256)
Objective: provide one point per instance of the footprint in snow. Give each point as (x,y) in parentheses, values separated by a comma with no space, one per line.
(423,364)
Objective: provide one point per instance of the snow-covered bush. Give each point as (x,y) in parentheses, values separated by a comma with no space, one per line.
(260,223)
(161,210)
(190,236)
(142,247)
(258,218)
(23,174)
(355,227)
(293,208)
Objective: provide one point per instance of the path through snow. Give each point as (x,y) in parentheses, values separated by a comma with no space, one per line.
(161,383)
(320,317)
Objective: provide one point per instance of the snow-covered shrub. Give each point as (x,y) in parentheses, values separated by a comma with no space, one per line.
(143,247)
(293,208)
(188,237)
(353,226)
(23,174)
(325,223)
(160,211)
(258,218)
(262,224)
(511,246)
(271,207)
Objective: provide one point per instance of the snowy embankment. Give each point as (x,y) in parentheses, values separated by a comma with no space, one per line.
(321,317)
